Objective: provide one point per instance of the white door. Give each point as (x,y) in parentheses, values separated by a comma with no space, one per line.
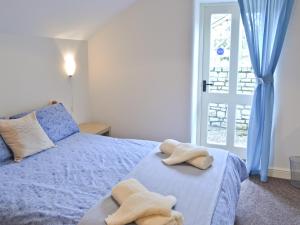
(227,82)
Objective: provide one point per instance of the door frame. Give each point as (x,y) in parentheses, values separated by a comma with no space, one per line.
(203,67)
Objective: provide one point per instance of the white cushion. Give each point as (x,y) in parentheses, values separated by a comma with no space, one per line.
(24,136)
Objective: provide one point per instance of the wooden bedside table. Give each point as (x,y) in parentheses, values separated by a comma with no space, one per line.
(95,128)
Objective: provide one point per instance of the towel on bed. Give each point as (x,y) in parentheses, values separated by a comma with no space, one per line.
(126,190)
(183,152)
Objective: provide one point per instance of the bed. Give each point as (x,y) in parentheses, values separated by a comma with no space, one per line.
(59,185)
(63,184)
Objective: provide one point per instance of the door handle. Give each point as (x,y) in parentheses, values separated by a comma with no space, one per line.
(204,84)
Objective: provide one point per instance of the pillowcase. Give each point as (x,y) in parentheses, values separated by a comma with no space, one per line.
(56,121)
(5,153)
(24,136)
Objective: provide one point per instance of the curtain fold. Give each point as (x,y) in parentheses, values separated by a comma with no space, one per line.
(265,23)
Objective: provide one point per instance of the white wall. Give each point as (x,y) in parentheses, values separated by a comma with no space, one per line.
(31,73)
(287,107)
(140,73)
(140,70)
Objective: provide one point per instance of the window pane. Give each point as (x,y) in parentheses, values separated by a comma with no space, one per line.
(246,81)
(217,124)
(241,125)
(220,53)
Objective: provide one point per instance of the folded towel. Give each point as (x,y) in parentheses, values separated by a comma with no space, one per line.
(140,205)
(168,146)
(183,152)
(127,188)
(176,218)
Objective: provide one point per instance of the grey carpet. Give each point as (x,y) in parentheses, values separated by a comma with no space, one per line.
(273,203)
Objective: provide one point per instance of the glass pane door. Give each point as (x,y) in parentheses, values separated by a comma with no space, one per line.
(219,62)
(227,80)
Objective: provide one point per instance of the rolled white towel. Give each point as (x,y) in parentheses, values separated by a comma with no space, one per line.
(202,163)
(168,146)
(197,156)
(176,218)
(127,188)
(140,205)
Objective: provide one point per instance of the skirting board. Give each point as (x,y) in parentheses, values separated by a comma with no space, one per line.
(280,173)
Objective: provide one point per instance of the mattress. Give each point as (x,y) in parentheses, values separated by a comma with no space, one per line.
(60,185)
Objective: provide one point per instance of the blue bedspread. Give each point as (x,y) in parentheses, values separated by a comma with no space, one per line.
(59,185)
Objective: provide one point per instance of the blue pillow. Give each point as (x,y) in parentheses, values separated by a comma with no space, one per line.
(56,121)
(5,153)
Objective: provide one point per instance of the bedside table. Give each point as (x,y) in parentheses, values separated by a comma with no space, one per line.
(95,128)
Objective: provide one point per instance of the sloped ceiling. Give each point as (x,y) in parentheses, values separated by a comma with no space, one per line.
(67,19)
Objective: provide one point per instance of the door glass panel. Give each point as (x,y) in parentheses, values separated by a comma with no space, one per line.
(217,124)
(220,41)
(241,125)
(246,81)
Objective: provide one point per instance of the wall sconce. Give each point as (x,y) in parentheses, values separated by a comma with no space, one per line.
(70,65)
(70,68)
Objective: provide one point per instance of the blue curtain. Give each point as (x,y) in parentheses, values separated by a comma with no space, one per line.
(265,23)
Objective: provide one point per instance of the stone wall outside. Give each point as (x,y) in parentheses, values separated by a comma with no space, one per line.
(219,77)
(217,123)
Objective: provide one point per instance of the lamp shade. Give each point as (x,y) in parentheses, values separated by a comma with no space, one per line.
(70,65)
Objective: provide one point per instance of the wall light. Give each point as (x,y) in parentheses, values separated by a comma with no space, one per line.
(70,68)
(70,65)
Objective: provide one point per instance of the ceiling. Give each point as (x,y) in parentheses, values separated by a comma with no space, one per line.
(67,19)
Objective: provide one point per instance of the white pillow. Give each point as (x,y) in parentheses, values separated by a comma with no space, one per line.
(24,136)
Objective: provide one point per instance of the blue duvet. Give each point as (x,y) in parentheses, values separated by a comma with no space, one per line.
(59,185)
